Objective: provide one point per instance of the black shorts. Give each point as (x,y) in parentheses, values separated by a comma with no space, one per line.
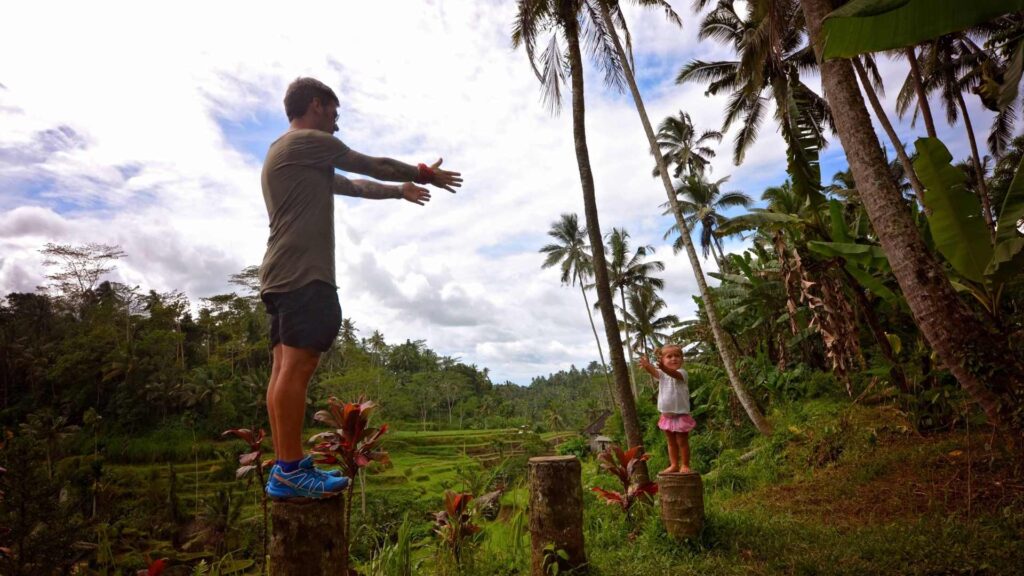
(308,317)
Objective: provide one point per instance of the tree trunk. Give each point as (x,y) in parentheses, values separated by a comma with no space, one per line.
(600,353)
(682,504)
(753,412)
(982,364)
(986,205)
(627,405)
(308,538)
(908,167)
(556,512)
(922,96)
(629,348)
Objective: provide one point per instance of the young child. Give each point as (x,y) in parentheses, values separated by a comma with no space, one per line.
(674,405)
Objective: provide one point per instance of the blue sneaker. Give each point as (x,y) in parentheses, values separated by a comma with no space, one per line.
(304,483)
(308,464)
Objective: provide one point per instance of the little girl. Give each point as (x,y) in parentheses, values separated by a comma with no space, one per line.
(674,405)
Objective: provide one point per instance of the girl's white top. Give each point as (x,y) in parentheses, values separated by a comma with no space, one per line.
(673,395)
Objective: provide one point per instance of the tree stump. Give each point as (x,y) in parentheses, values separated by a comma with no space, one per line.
(556,511)
(682,504)
(308,538)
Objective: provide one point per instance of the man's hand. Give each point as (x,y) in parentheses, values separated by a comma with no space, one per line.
(445,178)
(414,193)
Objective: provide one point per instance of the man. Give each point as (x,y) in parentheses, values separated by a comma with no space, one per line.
(297,281)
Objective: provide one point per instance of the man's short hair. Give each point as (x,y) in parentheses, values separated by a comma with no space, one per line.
(301,93)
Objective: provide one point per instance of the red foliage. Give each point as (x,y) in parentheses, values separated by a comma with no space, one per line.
(352,443)
(455,523)
(250,460)
(622,465)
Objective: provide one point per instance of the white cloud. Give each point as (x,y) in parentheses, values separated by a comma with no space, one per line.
(114,122)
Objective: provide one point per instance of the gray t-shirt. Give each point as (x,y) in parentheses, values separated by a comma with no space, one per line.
(298,179)
(673,395)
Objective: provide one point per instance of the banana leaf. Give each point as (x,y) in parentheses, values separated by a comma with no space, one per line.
(756,218)
(866,255)
(874,25)
(840,233)
(867,280)
(1008,257)
(956,222)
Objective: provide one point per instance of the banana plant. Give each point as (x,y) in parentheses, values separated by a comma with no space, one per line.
(980,267)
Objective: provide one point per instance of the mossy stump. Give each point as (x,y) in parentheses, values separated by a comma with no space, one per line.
(682,504)
(308,538)
(556,512)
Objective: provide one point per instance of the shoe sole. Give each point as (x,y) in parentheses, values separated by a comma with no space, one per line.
(305,499)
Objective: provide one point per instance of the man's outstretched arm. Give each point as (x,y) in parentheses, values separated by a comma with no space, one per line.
(377,191)
(391,170)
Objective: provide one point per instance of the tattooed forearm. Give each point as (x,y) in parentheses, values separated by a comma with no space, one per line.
(365,188)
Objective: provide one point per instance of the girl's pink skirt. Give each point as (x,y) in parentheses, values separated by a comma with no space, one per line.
(676,422)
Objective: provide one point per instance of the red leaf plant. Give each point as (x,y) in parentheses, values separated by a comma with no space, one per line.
(252,461)
(249,461)
(454,524)
(352,443)
(156,568)
(622,465)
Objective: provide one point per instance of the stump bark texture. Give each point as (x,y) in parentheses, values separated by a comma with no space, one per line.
(556,511)
(682,504)
(307,538)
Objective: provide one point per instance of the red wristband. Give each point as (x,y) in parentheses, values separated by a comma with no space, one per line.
(426,175)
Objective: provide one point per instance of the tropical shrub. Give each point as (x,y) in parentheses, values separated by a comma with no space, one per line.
(622,465)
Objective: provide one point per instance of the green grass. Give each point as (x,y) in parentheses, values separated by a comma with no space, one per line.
(836,490)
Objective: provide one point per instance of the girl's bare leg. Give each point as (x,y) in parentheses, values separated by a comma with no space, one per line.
(683,448)
(673,453)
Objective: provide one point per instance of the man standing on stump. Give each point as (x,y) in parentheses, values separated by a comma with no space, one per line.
(297,280)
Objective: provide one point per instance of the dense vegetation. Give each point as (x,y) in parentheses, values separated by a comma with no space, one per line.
(856,369)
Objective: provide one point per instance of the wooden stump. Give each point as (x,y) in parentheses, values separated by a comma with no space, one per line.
(682,504)
(307,538)
(556,510)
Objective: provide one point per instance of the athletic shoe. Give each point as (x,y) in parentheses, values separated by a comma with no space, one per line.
(303,483)
(308,464)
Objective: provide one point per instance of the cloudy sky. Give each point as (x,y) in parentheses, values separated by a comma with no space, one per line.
(144,125)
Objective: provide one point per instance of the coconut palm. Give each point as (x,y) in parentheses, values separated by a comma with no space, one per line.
(643,311)
(703,202)
(570,251)
(681,146)
(770,55)
(629,273)
(982,364)
(574,23)
(608,7)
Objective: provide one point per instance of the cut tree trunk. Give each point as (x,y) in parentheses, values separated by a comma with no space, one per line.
(308,538)
(625,399)
(556,513)
(724,348)
(981,362)
(682,504)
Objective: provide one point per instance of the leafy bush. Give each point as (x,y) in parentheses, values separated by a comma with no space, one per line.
(577,447)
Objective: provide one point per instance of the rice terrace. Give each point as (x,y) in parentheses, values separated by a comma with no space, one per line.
(545,287)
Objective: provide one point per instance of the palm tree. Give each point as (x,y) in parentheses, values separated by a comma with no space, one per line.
(982,364)
(702,203)
(630,273)
(570,251)
(568,20)
(348,331)
(771,54)
(681,146)
(643,312)
(724,347)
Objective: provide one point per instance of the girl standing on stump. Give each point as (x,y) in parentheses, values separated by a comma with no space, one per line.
(674,405)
